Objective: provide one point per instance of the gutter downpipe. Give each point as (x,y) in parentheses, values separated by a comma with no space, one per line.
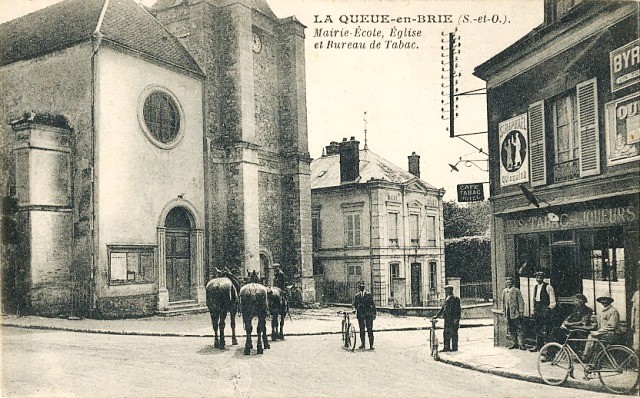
(96,40)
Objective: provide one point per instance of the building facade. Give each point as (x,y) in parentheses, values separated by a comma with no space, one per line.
(374,222)
(562,106)
(124,184)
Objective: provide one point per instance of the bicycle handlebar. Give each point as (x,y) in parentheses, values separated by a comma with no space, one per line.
(346,312)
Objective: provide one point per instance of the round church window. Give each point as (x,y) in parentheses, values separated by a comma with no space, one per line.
(161,118)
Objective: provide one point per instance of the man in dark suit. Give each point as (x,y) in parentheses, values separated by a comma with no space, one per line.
(451,313)
(366,313)
(279,278)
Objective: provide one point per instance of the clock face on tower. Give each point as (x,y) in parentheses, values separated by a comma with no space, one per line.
(257,43)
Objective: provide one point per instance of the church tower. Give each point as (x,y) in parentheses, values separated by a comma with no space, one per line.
(257,171)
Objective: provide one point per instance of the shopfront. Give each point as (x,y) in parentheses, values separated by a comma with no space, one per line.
(589,247)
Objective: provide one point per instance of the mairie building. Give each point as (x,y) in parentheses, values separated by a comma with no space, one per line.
(377,223)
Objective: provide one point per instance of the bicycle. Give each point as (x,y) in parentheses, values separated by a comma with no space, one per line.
(615,365)
(349,333)
(433,339)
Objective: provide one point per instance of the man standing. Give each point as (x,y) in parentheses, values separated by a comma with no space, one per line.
(279,278)
(366,313)
(608,326)
(544,301)
(513,308)
(451,312)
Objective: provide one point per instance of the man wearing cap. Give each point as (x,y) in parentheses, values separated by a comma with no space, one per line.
(578,322)
(450,312)
(608,326)
(365,312)
(513,308)
(544,301)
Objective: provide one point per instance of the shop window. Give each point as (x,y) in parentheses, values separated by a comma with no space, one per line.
(603,254)
(393,229)
(131,264)
(533,254)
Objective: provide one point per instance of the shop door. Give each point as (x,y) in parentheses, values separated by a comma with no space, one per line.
(178,256)
(416,284)
(565,274)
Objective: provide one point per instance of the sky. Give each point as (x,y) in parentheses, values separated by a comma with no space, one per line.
(399,89)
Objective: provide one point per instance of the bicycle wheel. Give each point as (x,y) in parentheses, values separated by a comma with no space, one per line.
(617,369)
(353,337)
(554,363)
(345,335)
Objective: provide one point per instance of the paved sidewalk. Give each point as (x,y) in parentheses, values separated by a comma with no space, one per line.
(476,350)
(302,322)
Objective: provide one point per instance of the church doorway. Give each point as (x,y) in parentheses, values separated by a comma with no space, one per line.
(178,254)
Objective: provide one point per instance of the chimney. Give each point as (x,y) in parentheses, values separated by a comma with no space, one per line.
(333,148)
(414,164)
(349,160)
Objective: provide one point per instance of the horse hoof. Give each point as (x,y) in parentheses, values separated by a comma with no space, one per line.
(234,342)
(260,351)
(247,351)
(267,346)
(216,345)
(274,337)
(222,346)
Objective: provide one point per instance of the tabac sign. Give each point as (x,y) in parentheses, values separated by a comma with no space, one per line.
(624,64)
(514,165)
(470,192)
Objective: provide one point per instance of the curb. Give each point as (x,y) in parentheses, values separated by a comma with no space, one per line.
(522,376)
(171,334)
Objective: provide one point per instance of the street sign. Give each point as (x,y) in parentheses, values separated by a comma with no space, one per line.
(470,192)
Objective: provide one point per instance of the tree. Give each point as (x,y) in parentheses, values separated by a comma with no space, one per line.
(471,220)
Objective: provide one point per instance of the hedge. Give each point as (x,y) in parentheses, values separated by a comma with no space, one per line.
(468,258)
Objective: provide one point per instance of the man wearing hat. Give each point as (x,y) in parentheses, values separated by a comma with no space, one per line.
(544,301)
(365,312)
(513,309)
(450,312)
(578,321)
(608,325)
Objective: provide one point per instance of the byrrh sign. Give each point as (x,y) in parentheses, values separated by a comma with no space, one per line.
(624,63)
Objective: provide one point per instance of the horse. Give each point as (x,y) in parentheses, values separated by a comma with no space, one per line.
(278,308)
(222,298)
(253,302)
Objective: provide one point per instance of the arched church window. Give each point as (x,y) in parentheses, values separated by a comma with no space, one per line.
(178,218)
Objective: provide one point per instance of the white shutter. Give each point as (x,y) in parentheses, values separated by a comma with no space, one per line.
(537,150)
(587,94)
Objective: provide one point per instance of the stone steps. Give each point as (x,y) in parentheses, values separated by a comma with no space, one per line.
(183,307)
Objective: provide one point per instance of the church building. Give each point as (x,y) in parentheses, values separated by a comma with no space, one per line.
(144,147)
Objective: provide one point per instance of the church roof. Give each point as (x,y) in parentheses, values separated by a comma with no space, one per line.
(325,171)
(64,24)
(258,5)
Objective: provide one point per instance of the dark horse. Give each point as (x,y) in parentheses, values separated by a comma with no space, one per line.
(278,308)
(253,302)
(222,297)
